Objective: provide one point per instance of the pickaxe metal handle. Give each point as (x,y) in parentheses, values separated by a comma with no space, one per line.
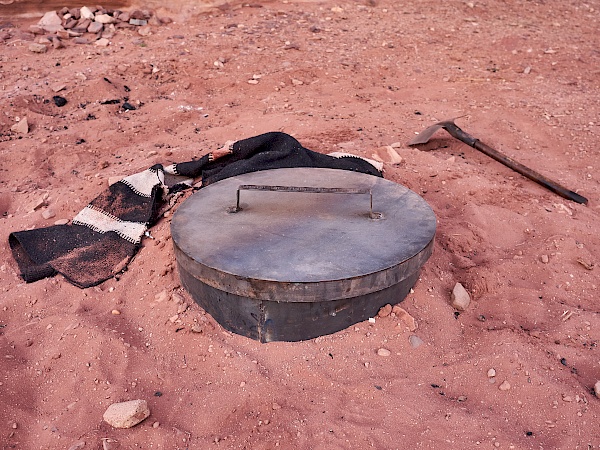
(459,134)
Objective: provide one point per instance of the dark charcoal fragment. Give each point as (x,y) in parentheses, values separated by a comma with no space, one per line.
(59,101)
(129,107)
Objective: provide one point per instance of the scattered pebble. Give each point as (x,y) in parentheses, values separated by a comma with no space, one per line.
(408,320)
(415,341)
(385,311)
(156,425)
(37,204)
(37,48)
(389,155)
(585,264)
(48,214)
(597,388)
(56,42)
(505,386)
(104,19)
(491,373)
(126,414)
(86,13)
(22,126)
(384,352)
(77,445)
(115,312)
(460,297)
(544,259)
(161,296)
(102,42)
(276,406)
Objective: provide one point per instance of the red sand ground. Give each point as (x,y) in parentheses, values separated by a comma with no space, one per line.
(346,76)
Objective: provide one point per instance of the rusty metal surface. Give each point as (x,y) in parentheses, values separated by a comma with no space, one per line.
(301,247)
(268,321)
(294,264)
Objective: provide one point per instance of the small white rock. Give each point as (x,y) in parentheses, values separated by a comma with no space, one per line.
(102,42)
(505,386)
(545,259)
(460,297)
(86,13)
(597,388)
(22,126)
(384,352)
(105,19)
(491,373)
(126,414)
(415,341)
(393,156)
(48,214)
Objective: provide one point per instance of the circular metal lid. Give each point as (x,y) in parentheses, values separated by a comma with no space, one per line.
(305,240)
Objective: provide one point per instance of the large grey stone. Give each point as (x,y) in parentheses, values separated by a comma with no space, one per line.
(105,18)
(50,23)
(86,13)
(95,27)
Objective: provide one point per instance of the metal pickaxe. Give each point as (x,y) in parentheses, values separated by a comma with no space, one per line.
(449,125)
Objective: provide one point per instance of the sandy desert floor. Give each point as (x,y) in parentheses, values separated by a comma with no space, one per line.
(348,76)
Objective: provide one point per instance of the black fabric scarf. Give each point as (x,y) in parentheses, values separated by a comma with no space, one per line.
(106,234)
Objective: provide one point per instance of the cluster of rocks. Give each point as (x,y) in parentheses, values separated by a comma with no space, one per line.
(89,24)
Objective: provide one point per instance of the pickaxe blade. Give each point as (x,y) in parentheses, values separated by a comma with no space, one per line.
(424,136)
